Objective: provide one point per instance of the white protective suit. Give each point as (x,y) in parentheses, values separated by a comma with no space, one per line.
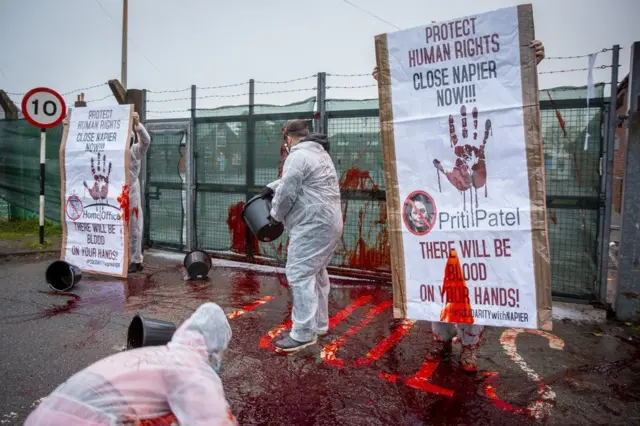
(307,201)
(136,220)
(149,382)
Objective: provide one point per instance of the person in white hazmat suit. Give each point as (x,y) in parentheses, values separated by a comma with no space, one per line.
(307,200)
(178,381)
(137,152)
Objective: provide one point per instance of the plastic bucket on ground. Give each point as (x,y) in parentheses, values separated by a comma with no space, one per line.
(197,263)
(62,276)
(149,332)
(256,215)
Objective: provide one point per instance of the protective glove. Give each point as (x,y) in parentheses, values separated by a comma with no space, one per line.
(266,192)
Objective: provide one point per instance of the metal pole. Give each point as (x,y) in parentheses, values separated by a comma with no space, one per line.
(608,161)
(125,23)
(43,154)
(192,177)
(144,202)
(250,162)
(321,100)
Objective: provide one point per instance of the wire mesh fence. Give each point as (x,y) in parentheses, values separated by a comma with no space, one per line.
(235,153)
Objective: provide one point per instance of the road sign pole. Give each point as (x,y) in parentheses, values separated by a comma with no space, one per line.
(43,151)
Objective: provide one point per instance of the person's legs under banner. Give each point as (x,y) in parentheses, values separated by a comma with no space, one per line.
(135,239)
(443,334)
(470,336)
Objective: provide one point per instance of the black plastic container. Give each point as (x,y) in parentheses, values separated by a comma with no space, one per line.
(62,276)
(198,264)
(256,215)
(149,332)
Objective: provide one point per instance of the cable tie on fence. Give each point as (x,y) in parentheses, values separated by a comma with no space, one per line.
(286,81)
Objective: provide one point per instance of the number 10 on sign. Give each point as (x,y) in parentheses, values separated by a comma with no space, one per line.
(43,108)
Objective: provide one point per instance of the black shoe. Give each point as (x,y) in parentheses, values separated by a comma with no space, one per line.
(135,267)
(289,345)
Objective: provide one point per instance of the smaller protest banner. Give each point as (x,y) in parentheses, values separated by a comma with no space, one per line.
(94,171)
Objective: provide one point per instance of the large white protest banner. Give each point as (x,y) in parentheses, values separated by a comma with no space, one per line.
(464,171)
(94,166)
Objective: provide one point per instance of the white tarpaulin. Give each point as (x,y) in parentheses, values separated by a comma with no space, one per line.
(94,162)
(465,163)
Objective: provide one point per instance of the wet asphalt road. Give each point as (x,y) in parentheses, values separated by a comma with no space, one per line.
(367,371)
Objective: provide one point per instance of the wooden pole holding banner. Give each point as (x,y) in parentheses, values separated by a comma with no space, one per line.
(125,28)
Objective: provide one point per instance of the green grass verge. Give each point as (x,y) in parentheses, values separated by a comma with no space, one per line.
(16,229)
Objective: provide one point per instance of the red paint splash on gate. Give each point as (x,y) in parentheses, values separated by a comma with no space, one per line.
(364,255)
(238,230)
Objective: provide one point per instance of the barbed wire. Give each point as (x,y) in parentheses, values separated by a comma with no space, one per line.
(235,95)
(349,75)
(352,87)
(601,67)
(577,56)
(287,81)
(167,112)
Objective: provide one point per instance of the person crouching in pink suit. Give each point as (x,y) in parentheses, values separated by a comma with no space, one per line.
(178,380)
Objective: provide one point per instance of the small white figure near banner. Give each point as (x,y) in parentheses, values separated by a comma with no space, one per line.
(94,166)
(464,172)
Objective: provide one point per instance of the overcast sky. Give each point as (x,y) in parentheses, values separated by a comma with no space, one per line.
(70,44)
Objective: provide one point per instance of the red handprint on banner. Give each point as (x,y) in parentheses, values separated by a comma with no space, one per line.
(100,188)
(470,168)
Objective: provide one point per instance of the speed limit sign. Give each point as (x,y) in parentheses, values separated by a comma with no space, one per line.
(43,107)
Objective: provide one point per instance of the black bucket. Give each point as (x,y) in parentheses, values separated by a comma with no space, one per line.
(62,276)
(197,263)
(149,332)
(256,215)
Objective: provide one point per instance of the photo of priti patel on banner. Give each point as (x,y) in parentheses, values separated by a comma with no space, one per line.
(94,166)
(463,163)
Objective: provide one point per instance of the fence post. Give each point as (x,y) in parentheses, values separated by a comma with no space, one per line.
(144,181)
(250,154)
(10,109)
(608,172)
(192,177)
(627,302)
(321,98)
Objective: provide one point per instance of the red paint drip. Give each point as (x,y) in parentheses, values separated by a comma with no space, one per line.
(387,343)
(265,340)
(328,353)
(67,308)
(455,293)
(249,307)
(238,230)
(123,200)
(421,380)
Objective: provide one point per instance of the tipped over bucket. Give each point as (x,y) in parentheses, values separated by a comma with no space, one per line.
(149,332)
(62,276)
(256,215)
(197,263)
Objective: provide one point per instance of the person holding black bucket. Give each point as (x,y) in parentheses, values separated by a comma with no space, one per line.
(307,200)
(178,380)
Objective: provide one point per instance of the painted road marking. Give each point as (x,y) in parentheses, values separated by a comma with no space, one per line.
(249,307)
(546,397)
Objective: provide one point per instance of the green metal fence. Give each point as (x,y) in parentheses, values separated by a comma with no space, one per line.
(200,172)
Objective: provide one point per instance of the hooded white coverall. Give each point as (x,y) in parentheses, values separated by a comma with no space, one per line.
(307,201)
(149,382)
(136,220)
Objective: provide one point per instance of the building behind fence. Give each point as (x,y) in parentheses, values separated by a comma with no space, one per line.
(201,170)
